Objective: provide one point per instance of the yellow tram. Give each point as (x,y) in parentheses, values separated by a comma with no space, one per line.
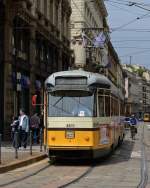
(146,117)
(83,115)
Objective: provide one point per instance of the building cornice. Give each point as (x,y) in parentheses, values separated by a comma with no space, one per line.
(102,7)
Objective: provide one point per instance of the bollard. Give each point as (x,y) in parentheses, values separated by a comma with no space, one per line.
(16,145)
(30,142)
(41,139)
(45,148)
(0,148)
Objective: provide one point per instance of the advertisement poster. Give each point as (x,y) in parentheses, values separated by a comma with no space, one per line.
(104,135)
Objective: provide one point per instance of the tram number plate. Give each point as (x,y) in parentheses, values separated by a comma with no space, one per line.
(70,134)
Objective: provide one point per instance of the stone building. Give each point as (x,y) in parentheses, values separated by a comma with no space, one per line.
(88,18)
(137,94)
(133,87)
(35,43)
(115,73)
(2,14)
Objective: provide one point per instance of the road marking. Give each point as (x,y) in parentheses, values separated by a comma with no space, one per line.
(148,127)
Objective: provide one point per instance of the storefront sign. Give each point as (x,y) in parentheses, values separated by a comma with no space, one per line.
(20,81)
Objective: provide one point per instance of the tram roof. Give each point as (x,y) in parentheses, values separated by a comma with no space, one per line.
(92,78)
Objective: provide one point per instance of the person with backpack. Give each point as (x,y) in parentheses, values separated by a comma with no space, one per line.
(35,126)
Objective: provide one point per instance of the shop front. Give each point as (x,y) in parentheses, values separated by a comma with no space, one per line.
(21,85)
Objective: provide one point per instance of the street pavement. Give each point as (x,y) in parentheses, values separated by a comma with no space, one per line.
(147,146)
(8,153)
(121,170)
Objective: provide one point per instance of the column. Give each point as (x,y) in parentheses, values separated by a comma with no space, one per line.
(2,14)
(8,90)
(33,63)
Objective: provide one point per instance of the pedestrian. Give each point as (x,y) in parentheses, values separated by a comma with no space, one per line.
(23,128)
(134,122)
(133,131)
(34,126)
(14,129)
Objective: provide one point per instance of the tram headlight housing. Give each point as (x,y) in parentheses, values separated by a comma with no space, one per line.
(53,138)
(87,139)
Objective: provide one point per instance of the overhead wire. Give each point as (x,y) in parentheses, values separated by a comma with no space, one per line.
(121,8)
(129,30)
(132,47)
(127,3)
(124,25)
(132,21)
(121,28)
(132,40)
(135,53)
(116,2)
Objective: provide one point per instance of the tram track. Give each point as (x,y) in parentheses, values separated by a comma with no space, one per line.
(144,169)
(25,177)
(84,171)
(88,171)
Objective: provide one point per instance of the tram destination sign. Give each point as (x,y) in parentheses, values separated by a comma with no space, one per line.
(71,81)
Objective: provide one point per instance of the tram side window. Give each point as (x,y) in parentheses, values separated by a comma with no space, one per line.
(101,106)
(114,107)
(104,106)
(121,109)
(107,106)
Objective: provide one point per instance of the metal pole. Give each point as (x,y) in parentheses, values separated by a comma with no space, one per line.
(16,145)
(30,142)
(41,140)
(0,149)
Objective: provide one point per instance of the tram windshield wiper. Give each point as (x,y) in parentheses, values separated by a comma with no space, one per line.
(57,101)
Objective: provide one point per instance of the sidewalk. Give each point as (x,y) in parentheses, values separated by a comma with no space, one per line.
(9,160)
(147,148)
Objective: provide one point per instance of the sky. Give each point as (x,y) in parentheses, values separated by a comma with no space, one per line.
(130,30)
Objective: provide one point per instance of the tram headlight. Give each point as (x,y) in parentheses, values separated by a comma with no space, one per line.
(53,138)
(87,139)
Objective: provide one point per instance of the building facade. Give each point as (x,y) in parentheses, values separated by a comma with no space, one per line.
(88,24)
(88,19)
(2,15)
(137,94)
(36,44)
(115,73)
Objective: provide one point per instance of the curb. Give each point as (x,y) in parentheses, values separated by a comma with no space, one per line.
(22,163)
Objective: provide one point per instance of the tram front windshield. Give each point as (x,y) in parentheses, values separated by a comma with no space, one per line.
(67,106)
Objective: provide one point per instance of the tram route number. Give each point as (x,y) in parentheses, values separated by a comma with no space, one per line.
(104,135)
(70,126)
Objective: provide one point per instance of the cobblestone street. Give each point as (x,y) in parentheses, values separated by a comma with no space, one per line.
(122,169)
